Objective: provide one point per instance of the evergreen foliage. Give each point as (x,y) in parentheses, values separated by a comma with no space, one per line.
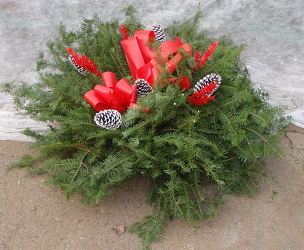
(181,148)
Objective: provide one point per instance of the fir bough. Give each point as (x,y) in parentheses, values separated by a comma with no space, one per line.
(179,147)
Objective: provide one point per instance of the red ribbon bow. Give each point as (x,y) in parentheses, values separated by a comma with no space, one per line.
(142,59)
(114,95)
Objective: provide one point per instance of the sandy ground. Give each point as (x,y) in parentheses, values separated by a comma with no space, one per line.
(38,216)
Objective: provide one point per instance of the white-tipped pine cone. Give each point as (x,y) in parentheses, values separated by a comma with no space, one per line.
(108,119)
(159,33)
(77,67)
(206,81)
(143,87)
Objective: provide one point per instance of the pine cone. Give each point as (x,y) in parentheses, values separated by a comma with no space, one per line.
(159,33)
(143,88)
(108,119)
(77,67)
(206,81)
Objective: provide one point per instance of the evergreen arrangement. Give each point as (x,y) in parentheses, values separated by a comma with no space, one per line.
(195,145)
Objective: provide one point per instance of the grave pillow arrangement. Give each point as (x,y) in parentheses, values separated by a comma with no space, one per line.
(170,105)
